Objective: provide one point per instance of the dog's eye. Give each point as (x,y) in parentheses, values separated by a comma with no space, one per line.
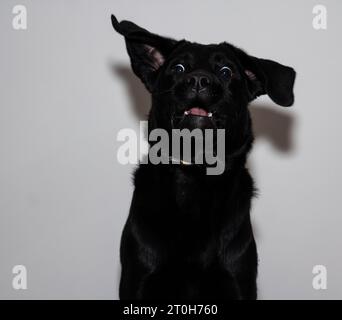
(178,68)
(226,73)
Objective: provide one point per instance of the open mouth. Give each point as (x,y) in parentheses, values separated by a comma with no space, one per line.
(198,112)
(195,117)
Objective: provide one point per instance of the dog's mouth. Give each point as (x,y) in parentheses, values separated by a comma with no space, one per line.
(198,112)
(195,116)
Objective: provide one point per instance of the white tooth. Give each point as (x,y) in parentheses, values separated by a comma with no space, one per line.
(186,112)
(210,114)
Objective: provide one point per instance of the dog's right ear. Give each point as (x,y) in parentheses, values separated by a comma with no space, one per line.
(146,50)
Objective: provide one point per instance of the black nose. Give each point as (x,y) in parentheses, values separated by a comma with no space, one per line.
(198,82)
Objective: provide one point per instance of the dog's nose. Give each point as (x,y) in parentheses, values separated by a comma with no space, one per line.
(198,82)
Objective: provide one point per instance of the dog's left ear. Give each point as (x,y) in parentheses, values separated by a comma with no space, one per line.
(146,50)
(268,77)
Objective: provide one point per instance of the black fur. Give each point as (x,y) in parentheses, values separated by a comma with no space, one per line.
(188,234)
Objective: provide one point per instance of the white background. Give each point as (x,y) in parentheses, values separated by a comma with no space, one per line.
(66,90)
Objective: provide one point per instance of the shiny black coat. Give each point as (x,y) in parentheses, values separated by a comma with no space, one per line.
(188,234)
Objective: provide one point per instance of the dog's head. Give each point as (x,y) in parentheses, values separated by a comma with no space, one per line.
(202,86)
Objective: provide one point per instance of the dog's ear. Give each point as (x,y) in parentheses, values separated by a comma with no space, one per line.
(268,77)
(146,50)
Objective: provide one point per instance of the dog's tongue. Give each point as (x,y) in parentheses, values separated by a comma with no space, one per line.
(198,112)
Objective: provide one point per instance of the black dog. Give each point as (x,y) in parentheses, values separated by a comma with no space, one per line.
(189,234)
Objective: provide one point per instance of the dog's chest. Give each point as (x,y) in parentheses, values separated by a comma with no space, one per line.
(194,196)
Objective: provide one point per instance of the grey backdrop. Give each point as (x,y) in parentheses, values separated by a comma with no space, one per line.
(66,90)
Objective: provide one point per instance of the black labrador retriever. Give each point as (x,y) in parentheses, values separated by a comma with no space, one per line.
(188,234)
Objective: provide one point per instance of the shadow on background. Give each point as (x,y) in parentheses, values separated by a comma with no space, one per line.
(140,97)
(274,125)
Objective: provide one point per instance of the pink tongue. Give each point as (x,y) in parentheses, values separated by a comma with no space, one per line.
(198,112)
